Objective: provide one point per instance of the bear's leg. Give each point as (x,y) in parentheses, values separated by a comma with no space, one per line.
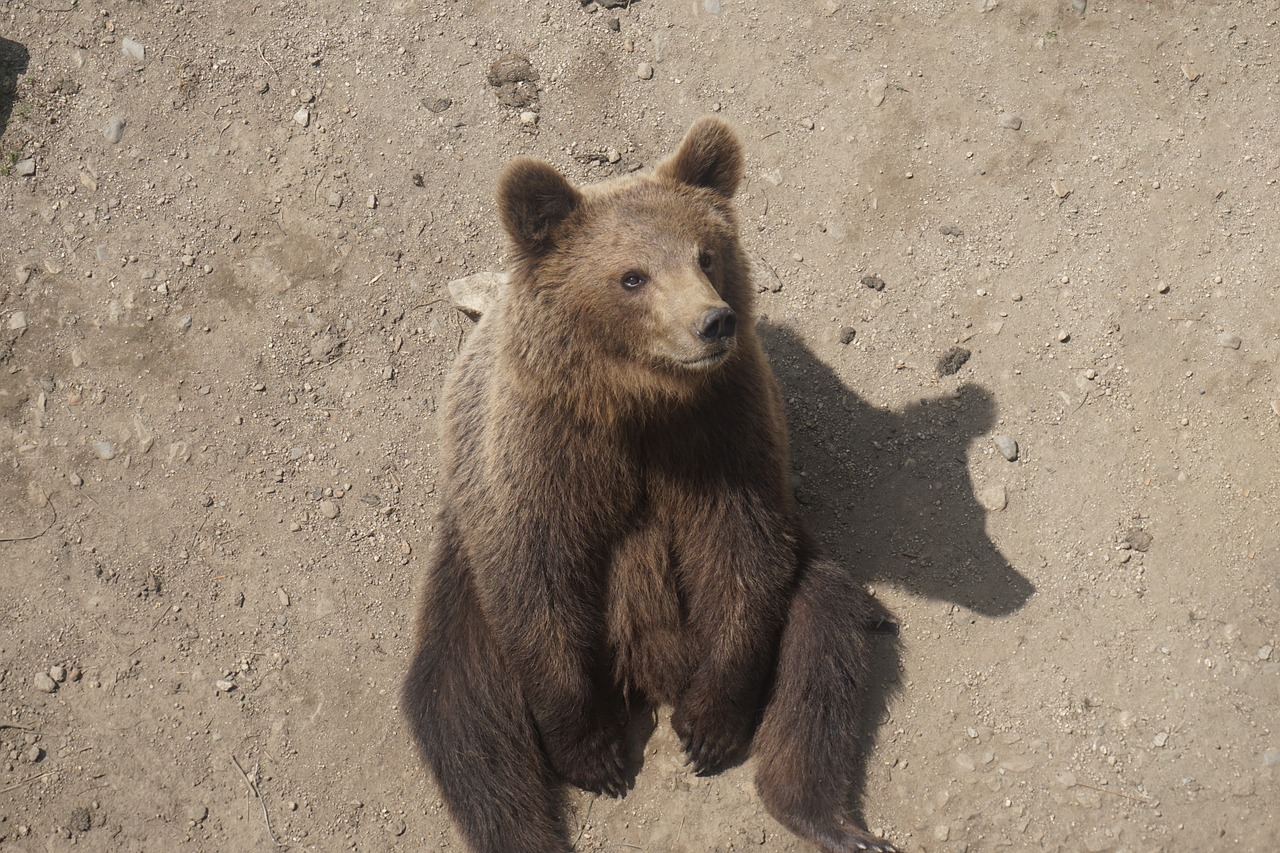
(472,725)
(806,744)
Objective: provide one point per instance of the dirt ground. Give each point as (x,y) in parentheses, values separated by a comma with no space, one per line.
(226,231)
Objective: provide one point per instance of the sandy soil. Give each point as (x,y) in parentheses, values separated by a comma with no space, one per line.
(226,231)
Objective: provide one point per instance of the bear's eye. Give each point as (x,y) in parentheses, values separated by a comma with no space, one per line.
(633,280)
(704,259)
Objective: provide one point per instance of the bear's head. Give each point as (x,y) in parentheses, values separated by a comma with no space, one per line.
(634,286)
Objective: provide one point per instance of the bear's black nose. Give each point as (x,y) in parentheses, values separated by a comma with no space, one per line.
(718,324)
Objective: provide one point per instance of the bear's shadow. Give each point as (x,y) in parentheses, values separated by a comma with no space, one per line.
(888,494)
(13,64)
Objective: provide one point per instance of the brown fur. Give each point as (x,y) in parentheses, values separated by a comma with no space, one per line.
(618,530)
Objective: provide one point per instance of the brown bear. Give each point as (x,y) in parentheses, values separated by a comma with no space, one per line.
(617,528)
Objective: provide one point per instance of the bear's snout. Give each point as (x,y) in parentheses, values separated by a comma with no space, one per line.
(718,324)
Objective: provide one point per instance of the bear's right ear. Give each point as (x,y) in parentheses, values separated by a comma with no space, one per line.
(710,157)
(533,199)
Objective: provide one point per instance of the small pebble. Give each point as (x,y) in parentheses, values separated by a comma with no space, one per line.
(847,334)
(644,71)
(196,813)
(528,118)
(329,509)
(1271,757)
(371,202)
(76,480)
(1160,739)
(473,294)
(1064,336)
(294,527)
(133,49)
(114,131)
(807,123)
(282,596)
(25,168)
(1229,340)
(994,499)
(874,282)
(105,450)
(17,321)
(302,117)
(1080,6)
(224,685)
(1011,121)
(613,24)
(44,683)
(1007,446)
(58,673)
(1264,653)
(33,754)
(1162,287)
(1060,189)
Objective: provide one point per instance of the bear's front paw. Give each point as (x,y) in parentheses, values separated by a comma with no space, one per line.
(714,734)
(595,762)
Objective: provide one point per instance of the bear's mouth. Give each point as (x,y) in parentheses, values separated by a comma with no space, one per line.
(707,360)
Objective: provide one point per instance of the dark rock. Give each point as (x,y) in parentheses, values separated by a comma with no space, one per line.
(437,104)
(952,360)
(1137,539)
(514,78)
(80,820)
(874,282)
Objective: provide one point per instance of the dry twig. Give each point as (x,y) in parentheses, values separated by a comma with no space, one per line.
(47,528)
(253,788)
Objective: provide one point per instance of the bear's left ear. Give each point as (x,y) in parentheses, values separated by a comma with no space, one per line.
(533,199)
(710,157)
